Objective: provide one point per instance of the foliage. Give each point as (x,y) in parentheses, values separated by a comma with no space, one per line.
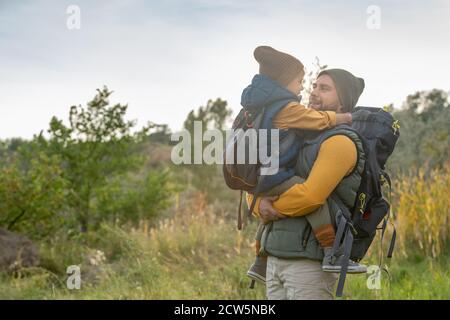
(424,132)
(97,144)
(32,198)
(135,198)
(423,212)
(213,116)
(181,259)
(87,172)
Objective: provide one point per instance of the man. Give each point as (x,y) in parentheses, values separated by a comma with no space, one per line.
(294,269)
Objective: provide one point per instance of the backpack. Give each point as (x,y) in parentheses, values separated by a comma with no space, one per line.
(247,176)
(357,227)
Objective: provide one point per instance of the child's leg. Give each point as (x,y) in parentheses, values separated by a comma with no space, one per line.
(321,224)
(320,221)
(257,271)
(258,235)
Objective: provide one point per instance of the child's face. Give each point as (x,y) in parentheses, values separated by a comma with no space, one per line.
(296,85)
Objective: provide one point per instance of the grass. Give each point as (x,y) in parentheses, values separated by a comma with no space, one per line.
(195,252)
(419,278)
(194,255)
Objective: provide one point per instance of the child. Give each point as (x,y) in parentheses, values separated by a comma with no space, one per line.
(288,72)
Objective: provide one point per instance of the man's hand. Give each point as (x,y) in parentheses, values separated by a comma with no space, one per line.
(343,118)
(266,211)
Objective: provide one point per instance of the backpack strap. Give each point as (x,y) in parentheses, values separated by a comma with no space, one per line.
(393,238)
(256,195)
(386,178)
(348,243)
(239,218)
(344,234)
(373,165)
(344,130)
(392,244)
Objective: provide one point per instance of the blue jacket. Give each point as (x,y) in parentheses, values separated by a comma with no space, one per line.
(263,92)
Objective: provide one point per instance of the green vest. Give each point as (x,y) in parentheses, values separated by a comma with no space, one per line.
(292,238)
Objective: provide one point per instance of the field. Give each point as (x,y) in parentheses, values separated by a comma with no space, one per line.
(196,252)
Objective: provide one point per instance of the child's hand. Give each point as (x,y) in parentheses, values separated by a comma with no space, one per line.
(343,118)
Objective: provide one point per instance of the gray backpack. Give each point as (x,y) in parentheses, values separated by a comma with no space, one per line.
(357,227)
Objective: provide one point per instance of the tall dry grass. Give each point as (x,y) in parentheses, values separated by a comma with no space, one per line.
(422,210)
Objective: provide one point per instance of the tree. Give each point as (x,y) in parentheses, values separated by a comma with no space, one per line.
(160,134)
(309,80)
(97,145)
(213,116)
(424,132)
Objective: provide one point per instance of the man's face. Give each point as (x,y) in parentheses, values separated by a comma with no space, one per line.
(324,96)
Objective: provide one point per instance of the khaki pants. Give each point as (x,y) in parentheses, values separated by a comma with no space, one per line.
(298,279)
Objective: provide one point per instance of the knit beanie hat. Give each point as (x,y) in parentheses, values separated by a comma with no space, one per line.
(279,66)
(348,87)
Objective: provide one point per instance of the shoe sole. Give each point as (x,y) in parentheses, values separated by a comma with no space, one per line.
(256,276)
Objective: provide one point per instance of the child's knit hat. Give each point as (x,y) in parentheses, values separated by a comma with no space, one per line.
(277,65)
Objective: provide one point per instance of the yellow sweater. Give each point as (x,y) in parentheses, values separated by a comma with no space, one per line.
(296,116)
(336,158)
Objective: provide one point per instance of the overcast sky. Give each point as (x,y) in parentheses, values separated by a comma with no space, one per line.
(165,58)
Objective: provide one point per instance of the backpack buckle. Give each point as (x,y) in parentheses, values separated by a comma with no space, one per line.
(352,228)
(248,115)
(362,200)
(396,126)
(382,180)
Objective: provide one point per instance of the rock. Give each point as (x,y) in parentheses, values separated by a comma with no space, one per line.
(94,270)
(16,251)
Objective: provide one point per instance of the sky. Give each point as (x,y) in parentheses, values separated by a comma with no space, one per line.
(165,58)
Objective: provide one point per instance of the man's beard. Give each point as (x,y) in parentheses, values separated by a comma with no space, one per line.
(315,106)
(319,106)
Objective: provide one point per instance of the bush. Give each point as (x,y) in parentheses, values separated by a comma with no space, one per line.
(133,198)
(32,195)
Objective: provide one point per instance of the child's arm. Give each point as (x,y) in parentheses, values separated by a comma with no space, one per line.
(295,115)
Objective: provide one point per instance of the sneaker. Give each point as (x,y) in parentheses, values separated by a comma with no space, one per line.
(258,270)
(328,265)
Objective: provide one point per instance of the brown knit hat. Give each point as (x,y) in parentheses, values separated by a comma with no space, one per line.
(277,65)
